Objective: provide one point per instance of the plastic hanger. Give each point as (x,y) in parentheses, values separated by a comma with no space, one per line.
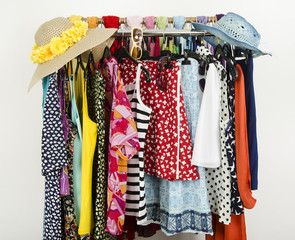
(79,64)
(91,61)
(230,61)
(186,61)
(106,53)
(218,52)
(123,53)
(168,65)
(240,54)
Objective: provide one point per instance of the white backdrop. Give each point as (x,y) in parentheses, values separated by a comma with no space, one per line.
(21,183)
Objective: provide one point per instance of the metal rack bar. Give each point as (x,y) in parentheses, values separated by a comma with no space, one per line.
(163,33)
(170,20)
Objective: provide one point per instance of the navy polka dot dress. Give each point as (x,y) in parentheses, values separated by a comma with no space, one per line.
(54,157)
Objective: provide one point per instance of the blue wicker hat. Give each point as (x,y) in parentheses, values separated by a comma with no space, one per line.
(235,30)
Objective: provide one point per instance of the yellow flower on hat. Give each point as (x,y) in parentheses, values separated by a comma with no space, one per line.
(75,18)
(58,45)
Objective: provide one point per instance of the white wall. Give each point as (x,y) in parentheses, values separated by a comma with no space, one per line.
(21,183)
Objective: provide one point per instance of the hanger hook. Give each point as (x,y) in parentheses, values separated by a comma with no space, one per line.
(122,38)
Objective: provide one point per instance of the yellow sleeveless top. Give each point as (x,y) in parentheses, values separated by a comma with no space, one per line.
(88,147)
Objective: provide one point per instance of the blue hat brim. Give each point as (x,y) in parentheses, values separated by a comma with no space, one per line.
(218,34)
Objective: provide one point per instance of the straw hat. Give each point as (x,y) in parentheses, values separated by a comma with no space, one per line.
(95,39)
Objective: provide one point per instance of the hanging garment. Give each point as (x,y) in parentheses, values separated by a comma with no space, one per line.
(182,206)
(123,144)
(243,169)
(45,85)
(219,179)
(135,197)
(179,22)
(113,22)
(68,206)
(251,120)
(96,101)
(131,228)
(161,23)
(236,230)
(64,179)
(92,22)
(77,154)
(148,230)
(178,206)
(207,151)
(237,207)
(88,147)
(168,148)
(152,49)
(150,24)
(54,157)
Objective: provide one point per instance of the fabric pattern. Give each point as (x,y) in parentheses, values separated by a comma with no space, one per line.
(135,197)
(68,205)
(237,207)
(219,179)
(178,206)
(64,178)
(182,206)
(54,157)
(168,145)
(96,98)
(123,144)
(169,211)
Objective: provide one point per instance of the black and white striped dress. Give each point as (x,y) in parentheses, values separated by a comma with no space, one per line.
(135,197)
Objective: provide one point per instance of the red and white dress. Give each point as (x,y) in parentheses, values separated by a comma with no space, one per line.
(168,146)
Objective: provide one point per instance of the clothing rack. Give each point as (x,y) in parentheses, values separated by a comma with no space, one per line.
(212,19)
(163,33)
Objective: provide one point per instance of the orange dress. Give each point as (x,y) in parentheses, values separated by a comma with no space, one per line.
(242,153)
(236,230)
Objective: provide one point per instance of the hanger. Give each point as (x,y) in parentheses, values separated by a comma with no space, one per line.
(218,51)
(240,54)
(79,63)
(107,52)
(123,53)
(68,66)
(91,61)
(186,61)
(230,61)
(168,65)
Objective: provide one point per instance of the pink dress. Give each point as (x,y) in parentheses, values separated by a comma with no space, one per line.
(123,144)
